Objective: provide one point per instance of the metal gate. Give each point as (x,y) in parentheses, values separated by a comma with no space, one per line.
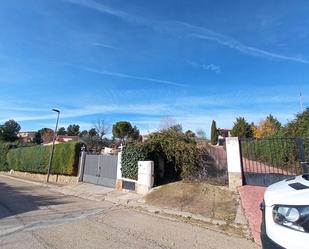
(100,169)
(269,160)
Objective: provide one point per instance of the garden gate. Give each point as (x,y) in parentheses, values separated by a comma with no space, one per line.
(100,169)
(268,160)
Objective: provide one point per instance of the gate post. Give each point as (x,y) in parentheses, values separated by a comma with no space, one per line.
(234,163)
(81,165)
(119,173)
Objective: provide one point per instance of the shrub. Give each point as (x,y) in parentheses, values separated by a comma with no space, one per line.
(179,151)
(182,158)
(131,154)
(4,149)
(35,159)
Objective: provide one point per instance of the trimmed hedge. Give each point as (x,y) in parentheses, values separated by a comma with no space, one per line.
(35,159)
(131,154)
(4,149)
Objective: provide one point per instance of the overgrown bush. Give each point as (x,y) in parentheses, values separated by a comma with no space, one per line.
(131,154)
(4,149)
(178,149)
(35,159)
(181,156)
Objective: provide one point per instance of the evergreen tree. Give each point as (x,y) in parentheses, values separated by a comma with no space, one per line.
(61,131)
(299,127)
(214,133)
(37,138)
(9,131)
(242,128)
(73,130)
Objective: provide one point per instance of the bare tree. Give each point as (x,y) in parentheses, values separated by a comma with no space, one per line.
(167,122)
(102,128)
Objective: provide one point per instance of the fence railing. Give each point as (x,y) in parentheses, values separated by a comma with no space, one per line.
(285,156)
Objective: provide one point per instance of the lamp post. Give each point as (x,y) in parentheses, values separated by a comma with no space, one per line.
(53,146)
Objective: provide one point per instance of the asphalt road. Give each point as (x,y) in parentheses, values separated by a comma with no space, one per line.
(31,216)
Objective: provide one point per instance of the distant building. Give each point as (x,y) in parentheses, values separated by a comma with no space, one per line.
(224,132)
(63,139)
(66,138)
(26,136)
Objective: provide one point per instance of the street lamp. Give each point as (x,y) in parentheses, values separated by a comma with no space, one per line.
(53,146)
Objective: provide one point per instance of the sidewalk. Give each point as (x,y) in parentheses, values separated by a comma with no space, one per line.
(87,191)
(98,193)
(251,197)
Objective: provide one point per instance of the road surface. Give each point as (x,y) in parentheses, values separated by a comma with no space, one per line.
(32,216)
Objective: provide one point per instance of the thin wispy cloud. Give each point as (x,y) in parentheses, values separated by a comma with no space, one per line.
(98,44)
(126,76)
(184,109)
(88,110)
(106,9)
(234,44)
(181,29)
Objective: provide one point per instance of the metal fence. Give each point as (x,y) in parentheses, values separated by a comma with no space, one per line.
(269,160)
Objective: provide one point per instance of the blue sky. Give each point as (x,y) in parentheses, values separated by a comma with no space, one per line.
(143,61)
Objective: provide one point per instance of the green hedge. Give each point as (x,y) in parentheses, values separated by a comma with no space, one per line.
(131,154)
(35,159)
(4,149)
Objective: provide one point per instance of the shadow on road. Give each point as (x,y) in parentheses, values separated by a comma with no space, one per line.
(18,200)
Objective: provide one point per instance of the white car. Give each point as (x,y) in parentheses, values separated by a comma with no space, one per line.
(285,209)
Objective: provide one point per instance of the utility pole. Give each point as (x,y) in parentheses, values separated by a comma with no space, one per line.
(53,146)
(301,102)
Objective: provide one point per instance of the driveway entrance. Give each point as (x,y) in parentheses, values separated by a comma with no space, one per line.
(269,160)
(100,169)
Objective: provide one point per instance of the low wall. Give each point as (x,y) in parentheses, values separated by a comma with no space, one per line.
(42,177)
(144,181)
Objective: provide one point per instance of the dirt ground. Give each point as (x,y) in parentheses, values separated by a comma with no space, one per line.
(200,198)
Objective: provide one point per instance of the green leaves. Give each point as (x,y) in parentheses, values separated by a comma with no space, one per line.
(35,159)
(122,129)
(9,131)
(4,149)
(177,148)
(125,132)
(73,130)
(241,128)
(131,154)
(214,133)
